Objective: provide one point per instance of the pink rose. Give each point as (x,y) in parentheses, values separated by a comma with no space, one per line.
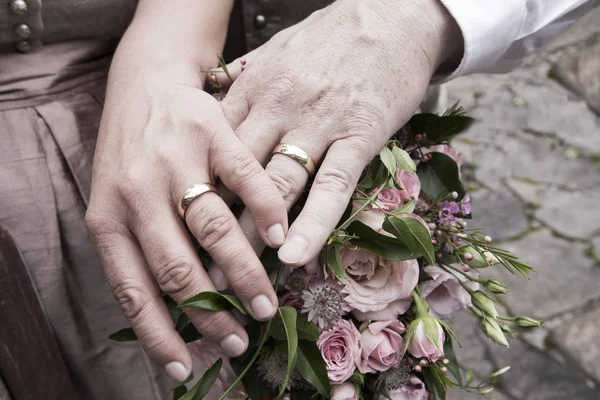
(381,346)
(389,199)
(340,350)
(421,346)
(345,391)
(207,353)
(374,283)
(410,184)
(413,390)
(444,293)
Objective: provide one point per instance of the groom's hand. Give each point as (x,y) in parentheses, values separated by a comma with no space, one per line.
(336,85)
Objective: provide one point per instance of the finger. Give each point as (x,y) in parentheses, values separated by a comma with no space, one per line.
(290,178)
(218,232)
(234,68)
(180,274)
(331,190)
(139,297)
(241,173)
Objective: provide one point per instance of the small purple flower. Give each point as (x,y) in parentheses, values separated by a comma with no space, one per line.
(447,212)
(465,206)
(297,281)
(324,302)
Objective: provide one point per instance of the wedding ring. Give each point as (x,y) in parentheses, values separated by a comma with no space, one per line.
(297,154)
(192,194)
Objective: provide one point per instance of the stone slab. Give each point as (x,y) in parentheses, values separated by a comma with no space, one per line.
(585,28)
(500,214)
(573,213)
(566,278)
(580,72)
(596,246)
(579,338)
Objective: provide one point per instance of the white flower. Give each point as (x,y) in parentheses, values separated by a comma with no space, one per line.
(324,302)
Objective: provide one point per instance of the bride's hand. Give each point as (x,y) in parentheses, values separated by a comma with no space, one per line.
(336,85)
(160,134)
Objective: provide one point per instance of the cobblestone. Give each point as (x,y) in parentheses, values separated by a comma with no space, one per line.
(532,153)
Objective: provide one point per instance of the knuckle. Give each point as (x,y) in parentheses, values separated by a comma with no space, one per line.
(334,180)
(176,275)
(364,117)
(132,186)
(286,185)
(216,324)
(155,344)
(212,228)
(103,228)
(245,279)
(245,170)
(132,298)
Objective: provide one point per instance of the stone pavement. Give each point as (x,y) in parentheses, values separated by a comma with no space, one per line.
(534,173)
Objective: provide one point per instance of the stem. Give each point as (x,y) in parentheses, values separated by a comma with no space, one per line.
(367,203)
(258,349)
(469,277)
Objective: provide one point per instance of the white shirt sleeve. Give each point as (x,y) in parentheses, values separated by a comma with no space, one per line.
(498,34)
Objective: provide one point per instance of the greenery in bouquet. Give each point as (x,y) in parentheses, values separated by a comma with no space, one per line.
(367,319)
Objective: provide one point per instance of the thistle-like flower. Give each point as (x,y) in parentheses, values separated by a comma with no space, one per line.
(297,281)
(394,378)
(324,302)
(273,369)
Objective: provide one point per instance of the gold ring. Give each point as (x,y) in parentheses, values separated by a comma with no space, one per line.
(192,194)
(297,154)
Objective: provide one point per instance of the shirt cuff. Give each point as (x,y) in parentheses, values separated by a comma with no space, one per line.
(488,29)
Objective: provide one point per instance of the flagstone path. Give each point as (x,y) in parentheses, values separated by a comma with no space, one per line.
(533,168)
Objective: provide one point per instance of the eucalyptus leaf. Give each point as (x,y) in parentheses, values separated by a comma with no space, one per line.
(334,262)
(451,356)
(214,301)
(124,335)
(400,229)
(404,160)
(439,177)
(203,386)
(289,316)
(312,368)
(407,208)
(388,159)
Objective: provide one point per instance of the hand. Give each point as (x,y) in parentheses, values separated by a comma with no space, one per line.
(336,85)
(160,134)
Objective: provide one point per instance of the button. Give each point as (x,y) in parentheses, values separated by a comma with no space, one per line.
(23,46)
(260,21)
(22,30)
(18,7)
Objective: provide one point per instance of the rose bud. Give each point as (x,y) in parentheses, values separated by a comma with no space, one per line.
(527,322)
(381,346)
(427,340)
(478,258)
(495,286)
(484,303)
(491,328)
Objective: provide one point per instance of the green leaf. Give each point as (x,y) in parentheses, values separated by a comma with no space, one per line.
(439,177)
(387,250)
(400,229)
(270,260)
(214,301)
(311,367)
(451,356)
(306,330)
(203,386)
(407,208)
(174,311)
(289,316)
(388,159)
(404,160)
(413,234)
(363,231)
(179,391)
(124,335)
(439,129)
(182,322)
(334,262)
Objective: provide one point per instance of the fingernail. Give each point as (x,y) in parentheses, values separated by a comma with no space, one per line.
(276,235)
(218,278)
(233,346)
(177,371)
(293,249)
(262,307)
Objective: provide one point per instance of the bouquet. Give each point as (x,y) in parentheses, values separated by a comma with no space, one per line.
(367,319)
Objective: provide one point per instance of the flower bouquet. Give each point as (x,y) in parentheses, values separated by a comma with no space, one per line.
(366,320)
